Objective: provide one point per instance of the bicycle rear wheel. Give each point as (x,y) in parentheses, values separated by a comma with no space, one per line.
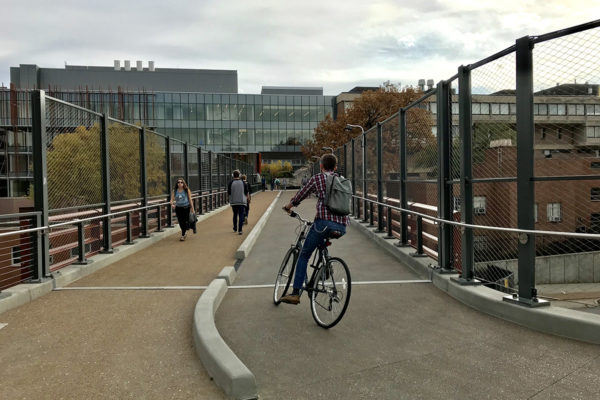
(330,293)
(284,275)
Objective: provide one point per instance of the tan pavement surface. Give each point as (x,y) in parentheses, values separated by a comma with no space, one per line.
(122,344)
(397,341)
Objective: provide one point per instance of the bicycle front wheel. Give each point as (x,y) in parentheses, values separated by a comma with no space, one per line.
(284,275)
(330,293)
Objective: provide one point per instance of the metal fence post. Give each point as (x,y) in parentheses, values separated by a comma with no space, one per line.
(419,235)
(128,224)
(200,180)
(186,169)
(390,234)
(40,180)
(219,181)
(525,173)
(169,179)
(143,184)
(106,208)
(380,227)
(466,175)
(210,181)
(354,208)
(403,194)
(81,260)
(444,129)
(364,171)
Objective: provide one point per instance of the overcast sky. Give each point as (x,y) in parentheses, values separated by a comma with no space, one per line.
(332,44)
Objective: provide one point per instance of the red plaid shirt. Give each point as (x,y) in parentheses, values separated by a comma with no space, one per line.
(316,185)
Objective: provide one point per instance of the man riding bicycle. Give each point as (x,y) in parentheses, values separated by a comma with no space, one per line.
(325,222)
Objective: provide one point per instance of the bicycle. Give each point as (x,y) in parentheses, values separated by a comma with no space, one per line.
(329,286)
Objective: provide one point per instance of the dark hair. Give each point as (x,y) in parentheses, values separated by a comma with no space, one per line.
(329,162)
(236,174)
(185,186)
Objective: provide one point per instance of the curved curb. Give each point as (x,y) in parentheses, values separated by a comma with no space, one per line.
(247,245)
(552,320)
(226,369)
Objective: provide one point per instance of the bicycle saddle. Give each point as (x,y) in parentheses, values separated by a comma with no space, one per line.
(335,234)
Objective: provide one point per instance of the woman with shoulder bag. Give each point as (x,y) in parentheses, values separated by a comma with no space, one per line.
(181,201)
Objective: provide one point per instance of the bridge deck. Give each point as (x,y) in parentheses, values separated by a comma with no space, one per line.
(396,341)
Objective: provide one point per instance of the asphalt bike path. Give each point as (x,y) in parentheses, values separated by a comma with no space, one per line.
(397,340)
(98,343)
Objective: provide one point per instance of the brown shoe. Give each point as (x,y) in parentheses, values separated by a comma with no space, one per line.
(291,299)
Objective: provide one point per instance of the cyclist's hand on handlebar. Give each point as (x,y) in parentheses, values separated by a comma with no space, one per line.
(288,208)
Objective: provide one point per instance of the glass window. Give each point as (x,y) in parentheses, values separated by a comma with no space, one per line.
(258,112)
(513,108)
(553,109)
(562,109)
(580,109)
(595,194)
(485,108)
(476,108)
(495,109)
(535,212)
(504,109)
(177,112)
(572,109)
(553,212)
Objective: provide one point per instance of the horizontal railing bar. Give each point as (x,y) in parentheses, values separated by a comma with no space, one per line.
(565,32)
(420,100)
(74,106)
(77,221)
(485,227)
(493,57)
(25,214)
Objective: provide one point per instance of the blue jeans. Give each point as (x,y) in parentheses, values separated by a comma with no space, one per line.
(238,215)
(317,234)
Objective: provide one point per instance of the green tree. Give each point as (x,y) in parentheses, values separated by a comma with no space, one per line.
(74,166)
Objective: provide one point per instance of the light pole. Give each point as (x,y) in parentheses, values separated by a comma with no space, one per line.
(349,127)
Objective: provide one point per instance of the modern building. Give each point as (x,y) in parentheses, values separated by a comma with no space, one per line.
(200,107)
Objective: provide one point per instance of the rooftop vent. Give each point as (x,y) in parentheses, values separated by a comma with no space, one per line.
(117,65)
(139,66)
(127,65)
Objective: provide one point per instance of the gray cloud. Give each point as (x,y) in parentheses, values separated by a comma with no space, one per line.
(336,45)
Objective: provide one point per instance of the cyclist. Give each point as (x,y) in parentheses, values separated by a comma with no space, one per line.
(324,223)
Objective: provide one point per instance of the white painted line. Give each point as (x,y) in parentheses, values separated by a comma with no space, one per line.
(132,288)
(230,287)
(2,325)
(353,283)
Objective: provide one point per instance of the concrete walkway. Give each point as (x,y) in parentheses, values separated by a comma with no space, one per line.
(397,341)
(122,344)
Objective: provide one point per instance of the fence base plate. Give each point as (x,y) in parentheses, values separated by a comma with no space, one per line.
(533,303)
(86,262)
(466,282)
(418,255)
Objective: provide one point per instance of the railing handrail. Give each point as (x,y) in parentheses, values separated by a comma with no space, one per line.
(485,227)
(82,220)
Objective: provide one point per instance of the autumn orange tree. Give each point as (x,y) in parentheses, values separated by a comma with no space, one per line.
(367,110)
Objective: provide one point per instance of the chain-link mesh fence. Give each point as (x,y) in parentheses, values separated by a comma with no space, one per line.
(567,155)
(494,161)
(390,140)
(422,173)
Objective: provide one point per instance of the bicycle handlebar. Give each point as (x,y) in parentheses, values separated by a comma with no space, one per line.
(294,214)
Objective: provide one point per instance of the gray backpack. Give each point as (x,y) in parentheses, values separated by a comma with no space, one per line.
(338,195)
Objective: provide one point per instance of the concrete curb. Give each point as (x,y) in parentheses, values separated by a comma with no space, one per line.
(558,321)
(26,292)
(229,274)
(221,363)
(247,245)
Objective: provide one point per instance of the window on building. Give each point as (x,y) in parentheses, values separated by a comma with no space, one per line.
(479,205)
(535,213)
(595,164)
(16,256)
(476,108)
(485,108)
(595,194)
(559,133)
(554,212)
(495,108)
(543,110)
(504,109)
(592,132)
(543,133)
(457,203)
(553,109)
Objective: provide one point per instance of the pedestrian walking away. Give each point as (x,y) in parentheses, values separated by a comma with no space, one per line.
(181,201)
(248,198)
(264,184)
(238,192)
(325,222)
